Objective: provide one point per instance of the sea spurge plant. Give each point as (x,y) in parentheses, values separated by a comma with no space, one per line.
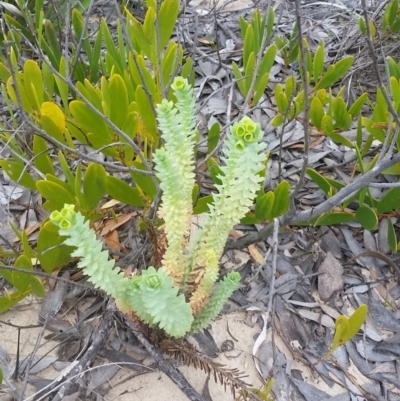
(151,295)
(180,296)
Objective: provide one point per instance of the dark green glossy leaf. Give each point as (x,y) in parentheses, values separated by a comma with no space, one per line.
(366,217)
(55,193)
(118,106)
(282,200)
(317,112)
(22,280)
(202,204)
(37,286)
(121,191)
(94,184)
(144,183)
(52,253)
(264,204)
(389,201)
(42,159)
(330,218)
(167,20)
(320,181)
(11,299)
(17,172)
(213,137)
(335,72)
(215,170)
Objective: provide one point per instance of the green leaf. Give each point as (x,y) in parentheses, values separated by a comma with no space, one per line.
(37,286)
(122,192)
(259,88)
(393,68)
(380,113)
(144,183)
(55,194)
(22,280)
(290,86)
(239,79)
(118,105)
(342,327)
(94,184)
(362,26)
(90,122)
(317,112)
(335,72)
(66,170)
(338,138)
(357,105)
(392,8)
(42,159)
(249,71)
(167,17)
(377,133)
(52,253)
(318,62)
(392,239)
(264,204)
(12,299)
(214,170)
(53,120)
(202,205)
(281,101)
(26,105)
(340,113)
(1,376)
(213,137)
(110,45)
(277,121)
(366,217)
(52,40)
(356,320)
(33,83)
(248,46)
(250,218)
(17,172)
(266,62)
(5,73)
(320,181)
(389,201)
(146,113)
(28,251)
(327,125)
(172,56)
(282,200)
(331,218)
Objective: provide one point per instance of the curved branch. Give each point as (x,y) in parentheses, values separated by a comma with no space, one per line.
(305,215)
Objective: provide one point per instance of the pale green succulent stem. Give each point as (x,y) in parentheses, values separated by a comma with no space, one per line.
(243,157)
(174,166)
(214,306)
(151,295)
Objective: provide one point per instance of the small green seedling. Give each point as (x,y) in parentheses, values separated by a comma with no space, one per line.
(346,329)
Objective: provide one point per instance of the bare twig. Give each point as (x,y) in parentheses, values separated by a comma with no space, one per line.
(100,337)
(165,366)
